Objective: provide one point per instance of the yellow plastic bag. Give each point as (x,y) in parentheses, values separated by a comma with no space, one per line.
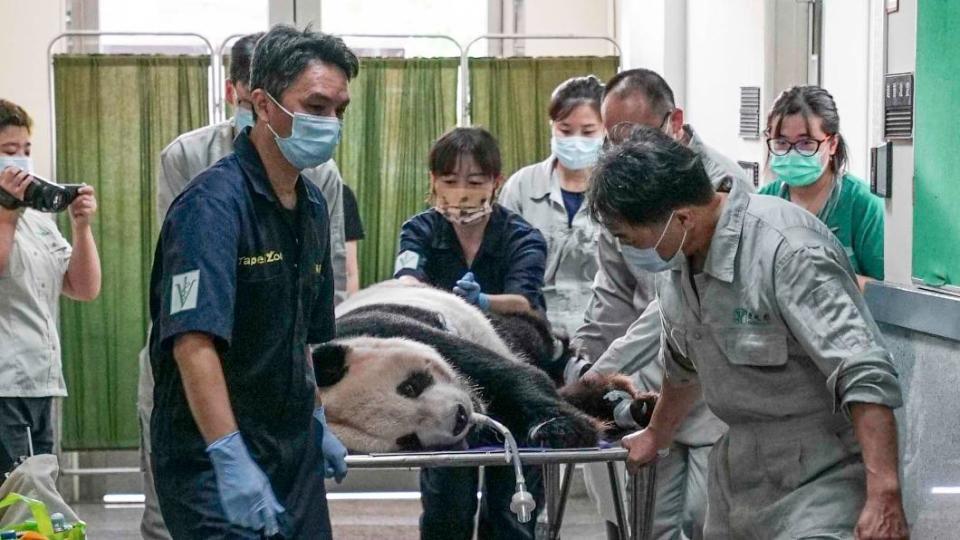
(42,523)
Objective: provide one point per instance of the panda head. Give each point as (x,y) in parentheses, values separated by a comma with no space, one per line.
(392,394)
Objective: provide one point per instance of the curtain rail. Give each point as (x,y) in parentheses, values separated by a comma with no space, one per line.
(464,71)
(97,33)
(222,106)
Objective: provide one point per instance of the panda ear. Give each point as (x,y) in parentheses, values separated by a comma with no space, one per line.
(330,363)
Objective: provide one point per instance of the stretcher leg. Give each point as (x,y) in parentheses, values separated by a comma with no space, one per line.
(617,499)
(557,520)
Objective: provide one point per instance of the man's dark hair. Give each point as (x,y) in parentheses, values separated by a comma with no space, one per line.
(241,54)
(574,92)
(649,84)
(12,114)
(810,102)
(284,52)
(643,179)
(475,142)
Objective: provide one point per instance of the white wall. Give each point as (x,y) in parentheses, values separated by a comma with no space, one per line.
(846,75)
(898,241)
(585,17)
(653,34)
(726,49)
(27,29)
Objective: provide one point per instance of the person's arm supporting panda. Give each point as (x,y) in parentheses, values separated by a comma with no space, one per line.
(323,329)
(412,257)
(523,281)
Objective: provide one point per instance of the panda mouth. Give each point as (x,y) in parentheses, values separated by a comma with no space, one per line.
(461,421)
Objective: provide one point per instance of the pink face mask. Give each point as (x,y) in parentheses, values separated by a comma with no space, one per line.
(463,206)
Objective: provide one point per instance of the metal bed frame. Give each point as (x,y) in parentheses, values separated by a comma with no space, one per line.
(641,486)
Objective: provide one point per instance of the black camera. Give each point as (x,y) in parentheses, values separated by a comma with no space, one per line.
(42,195)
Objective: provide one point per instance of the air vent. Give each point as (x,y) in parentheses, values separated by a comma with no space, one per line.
(898,106)
(753,171)
(749,112)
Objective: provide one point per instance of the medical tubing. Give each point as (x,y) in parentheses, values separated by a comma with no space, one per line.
(510,445)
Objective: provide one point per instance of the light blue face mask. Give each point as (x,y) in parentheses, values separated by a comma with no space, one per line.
(24,163)
(312,139)
(649,260)
(242,118)
(797,170)
(576,153)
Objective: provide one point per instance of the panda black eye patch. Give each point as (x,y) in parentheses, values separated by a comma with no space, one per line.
(415,383)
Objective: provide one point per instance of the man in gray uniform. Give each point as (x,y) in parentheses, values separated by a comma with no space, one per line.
(763,318)
(622,328)
(183,159)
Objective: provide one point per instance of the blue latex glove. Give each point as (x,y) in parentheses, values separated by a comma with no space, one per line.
(334,452)
(245,491)
(469,290)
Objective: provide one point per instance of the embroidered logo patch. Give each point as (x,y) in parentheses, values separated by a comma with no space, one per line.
(749,318)
(183,291)
(409,260)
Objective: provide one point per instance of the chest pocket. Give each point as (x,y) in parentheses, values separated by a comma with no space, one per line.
(754,347)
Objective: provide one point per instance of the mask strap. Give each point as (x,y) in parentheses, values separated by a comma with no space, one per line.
(277,103)
(664,233)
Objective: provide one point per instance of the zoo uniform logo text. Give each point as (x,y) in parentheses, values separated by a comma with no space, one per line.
(267,258)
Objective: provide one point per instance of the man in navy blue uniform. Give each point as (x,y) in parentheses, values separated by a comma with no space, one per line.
(241,286)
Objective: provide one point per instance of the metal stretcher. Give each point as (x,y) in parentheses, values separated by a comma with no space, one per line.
(640,486)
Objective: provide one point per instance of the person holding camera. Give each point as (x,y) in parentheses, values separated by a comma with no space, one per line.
(37,265)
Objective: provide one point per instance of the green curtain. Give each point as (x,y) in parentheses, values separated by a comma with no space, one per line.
(398,107)
(114,114)
(510,97)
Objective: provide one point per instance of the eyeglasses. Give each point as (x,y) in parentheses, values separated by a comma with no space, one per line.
(805,146)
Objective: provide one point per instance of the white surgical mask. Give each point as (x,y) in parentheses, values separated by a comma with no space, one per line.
(242,118)
(24,163)
(576,153)
(651,261)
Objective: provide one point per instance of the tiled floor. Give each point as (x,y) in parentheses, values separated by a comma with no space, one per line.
(352,520)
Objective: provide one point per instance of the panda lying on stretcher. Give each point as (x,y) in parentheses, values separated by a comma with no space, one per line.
(411,364)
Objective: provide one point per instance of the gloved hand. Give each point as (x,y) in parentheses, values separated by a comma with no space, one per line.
(245,491)
(469,290)
(334,452)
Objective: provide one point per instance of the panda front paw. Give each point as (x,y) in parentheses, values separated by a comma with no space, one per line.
(569,430)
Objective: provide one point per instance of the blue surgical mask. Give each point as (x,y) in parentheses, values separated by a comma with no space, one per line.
(24,163)
(576,153)
(797,170)
(242,118)
(312,139)
(649,260)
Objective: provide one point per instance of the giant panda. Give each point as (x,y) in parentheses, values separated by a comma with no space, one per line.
(411,364)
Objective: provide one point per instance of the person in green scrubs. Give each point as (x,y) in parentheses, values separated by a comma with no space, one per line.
(808,157)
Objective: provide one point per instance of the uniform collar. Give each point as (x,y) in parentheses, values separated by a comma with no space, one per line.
(256,173)
(546,182)
(726,238)
(492,235)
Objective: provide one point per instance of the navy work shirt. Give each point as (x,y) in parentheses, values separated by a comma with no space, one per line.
(230,263)
(511,260)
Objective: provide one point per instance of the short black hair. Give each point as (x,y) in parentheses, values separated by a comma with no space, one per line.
(475,142)
(644,178)
(810,101)
(241,54)
(645,82)
(12,114)
(284,52)
(574,92)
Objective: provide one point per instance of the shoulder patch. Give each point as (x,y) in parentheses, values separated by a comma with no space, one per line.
(183,291)
(407,260)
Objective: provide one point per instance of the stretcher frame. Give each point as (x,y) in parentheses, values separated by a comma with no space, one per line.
(641,486)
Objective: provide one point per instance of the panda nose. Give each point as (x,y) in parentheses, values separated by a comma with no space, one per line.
(461,420)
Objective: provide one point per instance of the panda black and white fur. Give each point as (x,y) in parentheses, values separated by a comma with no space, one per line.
(410,364)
